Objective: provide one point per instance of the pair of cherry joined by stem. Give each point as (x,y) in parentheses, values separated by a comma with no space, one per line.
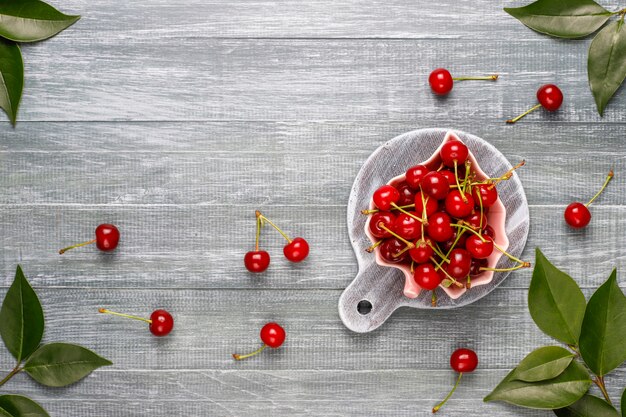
(577,214)
(441,81)
(549,97)
(107,238)
(296,250)
(462,361)
(272,335)
(161,322)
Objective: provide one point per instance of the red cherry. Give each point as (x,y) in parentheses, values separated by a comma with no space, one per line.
(385,197)
(441,81)
(407,227)
(407,194)
(439,228)
(107,238)
(431,205)
(256,261)
(486,193)
(464,360)
(476,265)
(460,263)
(387,218)
(550,97)
(476,220)
(422,252)
(447,245)
(273,335)
(454,152)
(162,323)
(390,248)
(488,231)
(450,175)
(478,248)
(435,185)
(426,276)
(415,174)
(297,250)
(458,207)
(577,215)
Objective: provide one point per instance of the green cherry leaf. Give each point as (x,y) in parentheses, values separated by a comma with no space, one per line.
(558,392)
(604,328)
(31,20)
(18,406)
(555,302)
(544,363)
(562,19)
(11,78)
(588,406)
(61,364)
(21,318)
(606,63)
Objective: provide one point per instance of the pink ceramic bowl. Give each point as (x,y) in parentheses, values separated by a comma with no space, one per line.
(495,217)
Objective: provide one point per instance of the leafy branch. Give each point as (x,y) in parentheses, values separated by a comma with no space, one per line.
(52,364)
(23,21)
(553,377)
(606,62)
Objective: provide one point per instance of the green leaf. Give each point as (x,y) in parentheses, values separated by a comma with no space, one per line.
(61,364)
(18,406)
(544,363)
(558,392)
(21,318)
(31,20)
(604,328)
(606,64)
(11,78)
(563,19)
(588,406)
(555,302)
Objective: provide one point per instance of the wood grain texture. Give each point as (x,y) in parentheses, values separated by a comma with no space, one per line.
(177,120)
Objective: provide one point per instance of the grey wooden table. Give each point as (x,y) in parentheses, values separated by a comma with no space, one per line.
(176,120)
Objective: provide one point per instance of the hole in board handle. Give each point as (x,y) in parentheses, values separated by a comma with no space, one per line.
(364,307)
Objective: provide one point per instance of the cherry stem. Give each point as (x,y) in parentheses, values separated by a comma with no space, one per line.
(128,316)
(438,406)
(438,266)
(599,381)
(397,255)
(410,245)
(11,374)
(464,227)
(532,109)
(514,268)
(492,77)
(458,185)
(78,245)
(433,299)
(263,218)
(256,352)
(468,284)
(372,211)
(507,175)
(407,213)
(468,165)
(258,233)
(374,246)
(508,255)
(609,177)
(439,253)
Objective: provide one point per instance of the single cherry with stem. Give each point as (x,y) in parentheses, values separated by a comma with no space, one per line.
(550,98)
(107,238)
(436,185)
(577,214)
(161,322)
(296,250)
(272,335)
(441,81)
(257,260)
(414,175)
(461,361)
(385,197)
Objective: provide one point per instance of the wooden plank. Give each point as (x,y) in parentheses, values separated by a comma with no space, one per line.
(203,246)
(213,324)
(296,19)
(273,79)
(267,163)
